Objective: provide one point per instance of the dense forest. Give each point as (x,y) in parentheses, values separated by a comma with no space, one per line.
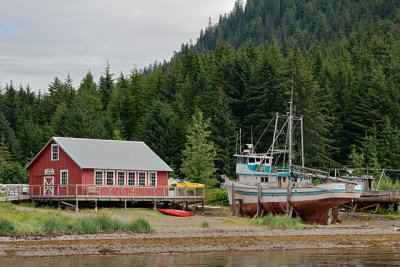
(342,58)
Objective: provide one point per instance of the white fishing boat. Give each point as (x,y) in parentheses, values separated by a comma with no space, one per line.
(270,183)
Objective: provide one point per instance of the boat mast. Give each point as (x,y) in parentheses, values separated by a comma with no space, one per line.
(290,132)
(291,127)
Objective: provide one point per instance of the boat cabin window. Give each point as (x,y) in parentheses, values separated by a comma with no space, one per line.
(264,179)
(252,160)
(258,160)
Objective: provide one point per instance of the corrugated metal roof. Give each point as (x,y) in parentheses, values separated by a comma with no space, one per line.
(111,154)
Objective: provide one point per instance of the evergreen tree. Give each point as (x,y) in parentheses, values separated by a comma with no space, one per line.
(311,105)
(81,122)
(199,153)
(162,130)
(106,86)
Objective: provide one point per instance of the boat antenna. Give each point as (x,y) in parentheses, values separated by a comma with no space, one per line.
(240,140)
(251,138)
(237,139)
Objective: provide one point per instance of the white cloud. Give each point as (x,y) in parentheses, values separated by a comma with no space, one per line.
(42,39)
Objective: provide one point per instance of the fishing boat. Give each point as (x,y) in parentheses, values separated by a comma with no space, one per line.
(271,183)
(179,213)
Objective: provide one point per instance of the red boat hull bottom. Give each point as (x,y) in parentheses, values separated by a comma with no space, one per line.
(310,211)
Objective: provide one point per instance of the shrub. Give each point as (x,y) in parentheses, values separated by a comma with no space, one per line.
(13,173)
(205,224)
(217,196)
(140,225)
(6,227)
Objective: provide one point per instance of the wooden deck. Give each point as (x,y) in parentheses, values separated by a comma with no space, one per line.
(380,196)
(104,193)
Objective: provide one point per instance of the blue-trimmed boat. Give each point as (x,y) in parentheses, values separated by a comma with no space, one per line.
(270,182)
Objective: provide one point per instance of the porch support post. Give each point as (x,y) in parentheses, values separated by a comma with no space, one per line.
(76,205)
(233,200)
(183,205)
(154,204)
(58,205)
(95,205)
(124,204)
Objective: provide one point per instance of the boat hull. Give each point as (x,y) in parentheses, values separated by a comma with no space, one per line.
(311,204)
(179,213)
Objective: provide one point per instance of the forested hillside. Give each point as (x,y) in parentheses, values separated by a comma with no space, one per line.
(342,57)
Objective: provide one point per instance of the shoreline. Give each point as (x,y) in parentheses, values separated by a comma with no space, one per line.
(190,239)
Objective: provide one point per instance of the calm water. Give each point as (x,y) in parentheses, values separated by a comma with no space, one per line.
(315,257)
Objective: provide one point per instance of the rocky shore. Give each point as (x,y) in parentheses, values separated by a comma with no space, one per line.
(195,239)
(176,234)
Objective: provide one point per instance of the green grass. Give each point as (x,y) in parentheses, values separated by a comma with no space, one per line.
(279,221)
(21,222)
(140,225)
(205,224)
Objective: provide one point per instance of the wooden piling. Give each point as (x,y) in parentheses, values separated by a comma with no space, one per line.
(233,200)
(76,205)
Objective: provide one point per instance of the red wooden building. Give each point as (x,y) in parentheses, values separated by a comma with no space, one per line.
(97,168)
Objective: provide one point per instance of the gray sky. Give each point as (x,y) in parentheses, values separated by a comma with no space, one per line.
(41,39)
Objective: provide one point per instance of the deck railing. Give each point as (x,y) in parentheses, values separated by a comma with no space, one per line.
(109,191)
(14,192)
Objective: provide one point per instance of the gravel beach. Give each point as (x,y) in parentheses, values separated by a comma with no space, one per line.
(173,234)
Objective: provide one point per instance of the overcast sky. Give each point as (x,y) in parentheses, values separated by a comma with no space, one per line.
(42,39)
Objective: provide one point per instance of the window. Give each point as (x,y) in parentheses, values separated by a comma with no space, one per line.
(142,178)
(153,179)
(131,178)
(251,160)
(98,177)
(264,179)
(64,177)
(121,178)
(110,178)
(54,152)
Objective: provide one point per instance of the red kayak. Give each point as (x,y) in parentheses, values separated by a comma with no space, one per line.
(180,213)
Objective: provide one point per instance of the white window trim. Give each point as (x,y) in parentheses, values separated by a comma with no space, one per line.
(124,172)
(102,180)
(145,179)
(113,172)
(58,152)
(155,182)
(134,179)
(61,172)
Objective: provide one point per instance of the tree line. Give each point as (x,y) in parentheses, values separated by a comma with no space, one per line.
(189,110)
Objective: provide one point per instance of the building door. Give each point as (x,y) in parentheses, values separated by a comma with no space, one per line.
(48,183)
